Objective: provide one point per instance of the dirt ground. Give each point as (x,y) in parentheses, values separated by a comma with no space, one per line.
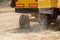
(9,29)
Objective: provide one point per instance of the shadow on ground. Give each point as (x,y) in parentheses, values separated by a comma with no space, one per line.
(36,28)
(33,29)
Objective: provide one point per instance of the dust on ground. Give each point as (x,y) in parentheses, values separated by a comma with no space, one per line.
(9,29)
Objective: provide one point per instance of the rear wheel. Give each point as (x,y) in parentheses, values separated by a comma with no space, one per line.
(24,21)
(52,21)
(58,23)
(43,20)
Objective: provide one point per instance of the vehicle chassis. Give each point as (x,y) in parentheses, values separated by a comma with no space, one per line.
(42,15)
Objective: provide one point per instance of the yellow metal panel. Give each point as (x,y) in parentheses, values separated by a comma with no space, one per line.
(54,3)
(38,3)
(58,4)
(47,3)
(26,2)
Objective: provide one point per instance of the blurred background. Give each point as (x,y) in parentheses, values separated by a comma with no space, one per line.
(4,3)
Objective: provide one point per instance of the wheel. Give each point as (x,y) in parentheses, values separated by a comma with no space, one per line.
(42,19)
(51,21)
(24,21)
(58,23)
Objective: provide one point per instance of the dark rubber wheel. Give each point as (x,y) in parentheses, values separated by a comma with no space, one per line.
(24,21)
(43,20)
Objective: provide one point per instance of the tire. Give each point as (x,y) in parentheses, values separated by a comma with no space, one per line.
(24,21)
(43,20)
(58,24)
(51,21)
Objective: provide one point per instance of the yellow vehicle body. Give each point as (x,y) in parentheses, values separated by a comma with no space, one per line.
(37,3)
(58,4)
